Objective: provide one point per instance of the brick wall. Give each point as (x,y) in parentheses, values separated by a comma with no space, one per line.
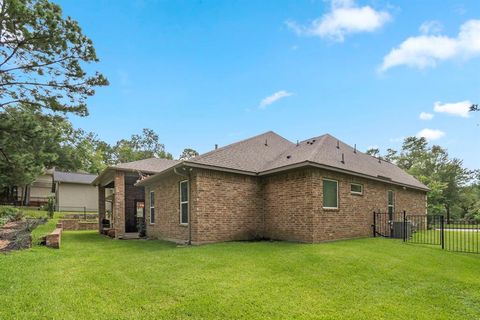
(167,209)
(229,207)
(119,205)
(288,206)
(354,216)
(283,206)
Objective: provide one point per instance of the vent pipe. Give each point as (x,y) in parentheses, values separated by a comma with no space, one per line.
(355,148)
(216,146)
(338,144)
(343,158)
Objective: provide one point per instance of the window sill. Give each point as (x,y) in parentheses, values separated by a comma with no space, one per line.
(183,224)
(330,209)
(356,194)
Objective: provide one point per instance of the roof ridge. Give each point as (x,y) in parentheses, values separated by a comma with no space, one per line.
(236,143)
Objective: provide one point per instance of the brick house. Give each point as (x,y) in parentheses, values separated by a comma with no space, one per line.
(267,187)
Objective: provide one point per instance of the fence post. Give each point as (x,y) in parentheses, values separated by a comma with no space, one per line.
(442,231)
(374,224)
(404,226)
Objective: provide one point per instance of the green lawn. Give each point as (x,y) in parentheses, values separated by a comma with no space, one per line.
(96,277)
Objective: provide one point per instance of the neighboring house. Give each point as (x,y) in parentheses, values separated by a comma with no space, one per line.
(127,200)
(37,193)
(267,187)
(74,191)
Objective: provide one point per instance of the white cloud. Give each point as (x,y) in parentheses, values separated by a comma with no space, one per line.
(344,18)
(425,116)
(431,27)
(431,134)
(273,98)
(460,109)
(427,50)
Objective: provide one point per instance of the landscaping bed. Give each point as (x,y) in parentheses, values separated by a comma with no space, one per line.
(16,235)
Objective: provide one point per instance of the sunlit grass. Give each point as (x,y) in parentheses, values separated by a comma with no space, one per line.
(94,277)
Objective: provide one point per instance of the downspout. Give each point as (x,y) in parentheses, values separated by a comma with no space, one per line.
(188,176)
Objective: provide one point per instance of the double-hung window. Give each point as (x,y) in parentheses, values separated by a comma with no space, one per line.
(391,203)
(330,194)
(152,207)
(184,202)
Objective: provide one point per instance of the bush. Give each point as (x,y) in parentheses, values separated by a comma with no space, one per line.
(50,207)
(9,214)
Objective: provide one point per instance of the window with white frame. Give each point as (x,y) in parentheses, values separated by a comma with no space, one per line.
(152,207)
(330,194)
(391,202)
(356,188)
(184,202)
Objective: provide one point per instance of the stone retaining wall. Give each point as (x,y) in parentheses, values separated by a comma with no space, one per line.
(75,225)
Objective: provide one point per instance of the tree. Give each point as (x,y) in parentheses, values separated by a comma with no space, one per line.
(374,152)
(41,57)
(474,107)
(445,176)
(29,143)
(138,147)
(188,154)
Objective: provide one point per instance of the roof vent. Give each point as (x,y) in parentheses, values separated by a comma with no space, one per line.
(289,156)
(355,148)
(298,143)
(313,141)
(266,143)
(383,177)
(379,160)
(216,146)
(338,144)
(343,158)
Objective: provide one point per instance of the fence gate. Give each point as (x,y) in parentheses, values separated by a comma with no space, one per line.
(459,236)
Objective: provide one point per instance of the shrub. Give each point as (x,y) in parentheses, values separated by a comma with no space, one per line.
(9,214)
(50,207)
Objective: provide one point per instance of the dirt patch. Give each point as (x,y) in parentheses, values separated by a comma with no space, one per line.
(16,235)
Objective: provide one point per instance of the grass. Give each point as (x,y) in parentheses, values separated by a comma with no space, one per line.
(466,240)
(96,277)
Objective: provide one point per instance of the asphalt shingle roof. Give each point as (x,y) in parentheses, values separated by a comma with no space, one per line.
(73,177)
(152,165)
(247,155)
(269,152)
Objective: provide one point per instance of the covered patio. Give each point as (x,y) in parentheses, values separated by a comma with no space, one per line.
(116,185)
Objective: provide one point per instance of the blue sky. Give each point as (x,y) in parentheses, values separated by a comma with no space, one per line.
(213,72)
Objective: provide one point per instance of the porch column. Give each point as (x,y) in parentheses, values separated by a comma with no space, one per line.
(101,207)
(119,204)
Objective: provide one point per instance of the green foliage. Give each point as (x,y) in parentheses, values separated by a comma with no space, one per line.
(109,279)
(42,56)
(445,176)
(188,154)
(139,147)
(8,213)
(29,142)
(50,207)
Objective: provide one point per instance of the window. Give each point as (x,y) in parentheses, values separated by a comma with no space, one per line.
(330,194)
(356,188)
(391,202)
(184,202)
(152,207)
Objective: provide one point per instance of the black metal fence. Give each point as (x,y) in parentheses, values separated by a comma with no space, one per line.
(459,235)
